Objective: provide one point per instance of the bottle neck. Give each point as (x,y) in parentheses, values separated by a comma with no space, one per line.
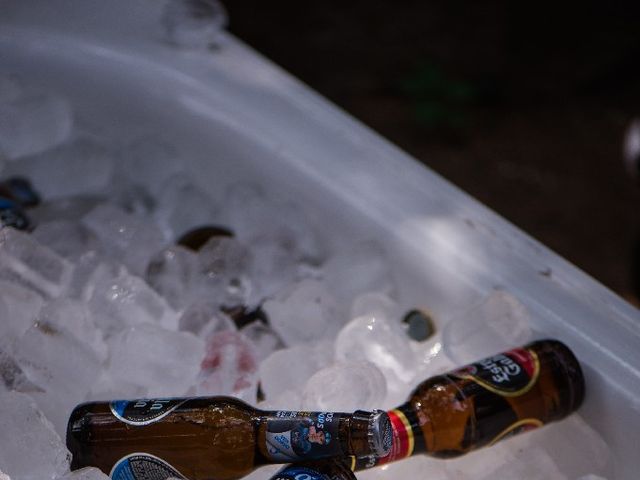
(407,438)
(290,436)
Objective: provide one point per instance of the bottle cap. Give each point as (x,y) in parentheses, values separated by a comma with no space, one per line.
(379,432)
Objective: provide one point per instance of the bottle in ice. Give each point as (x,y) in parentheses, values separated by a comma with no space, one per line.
(331,469)
(11,215)
(20,190)
(215,438)
(485,402)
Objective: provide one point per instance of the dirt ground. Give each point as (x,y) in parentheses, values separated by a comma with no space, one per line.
(522,106)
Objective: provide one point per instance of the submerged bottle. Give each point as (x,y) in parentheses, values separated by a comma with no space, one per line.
(331,469)
(478,405)
(217,438)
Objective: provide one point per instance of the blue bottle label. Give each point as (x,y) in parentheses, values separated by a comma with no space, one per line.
(298,473)
(143,466)
(144,411)
(293,436)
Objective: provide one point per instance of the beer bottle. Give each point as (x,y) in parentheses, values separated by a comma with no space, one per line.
(215,438)
(478,405)
(12,215)
(331,469)
(20,190)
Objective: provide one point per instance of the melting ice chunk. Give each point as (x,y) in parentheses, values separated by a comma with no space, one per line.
(381,342)
(24,260)
(58,363)
(289,368)
(118,299)
(173,273)
(229,367)
(345,387)
(303,313)
(166,363)
(30,448)
(130,239)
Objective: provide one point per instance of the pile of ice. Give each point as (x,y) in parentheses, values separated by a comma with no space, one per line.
(100,302)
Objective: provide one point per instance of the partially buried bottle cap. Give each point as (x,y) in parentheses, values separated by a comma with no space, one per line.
(379,432)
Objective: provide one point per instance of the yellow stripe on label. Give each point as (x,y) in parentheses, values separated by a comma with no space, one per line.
(408,429)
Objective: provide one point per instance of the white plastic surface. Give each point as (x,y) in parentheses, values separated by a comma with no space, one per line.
(232,110)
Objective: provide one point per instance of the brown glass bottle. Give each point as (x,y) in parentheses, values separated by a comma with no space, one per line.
(477,405)
(330,469)
(217,438)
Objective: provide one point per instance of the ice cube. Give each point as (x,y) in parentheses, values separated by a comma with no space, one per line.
(500,322)
(88,473)
(4,476)
(13,378)
(251,214)
(224,265)
(67,238)
(82,166)
(375,303)
(229,367)
(204,318)
(166,363)
(18,309)
(74,317)
(282,244)
(357,270)
(345,387)
(150,162)
(266,341)
(303,313)
(85,266)
(273,266)
(24,260)
(107,387)
(431,358)
(116,299)
(375,339)
(130,239)
(194,23)
(290,368)
(32,121)
(182,205)
(173,273)
(63,367)
(30,448)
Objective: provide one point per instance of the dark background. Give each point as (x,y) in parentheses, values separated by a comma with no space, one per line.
(524,106)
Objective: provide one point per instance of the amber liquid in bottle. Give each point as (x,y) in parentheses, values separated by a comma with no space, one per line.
(218,438)
(480,404)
